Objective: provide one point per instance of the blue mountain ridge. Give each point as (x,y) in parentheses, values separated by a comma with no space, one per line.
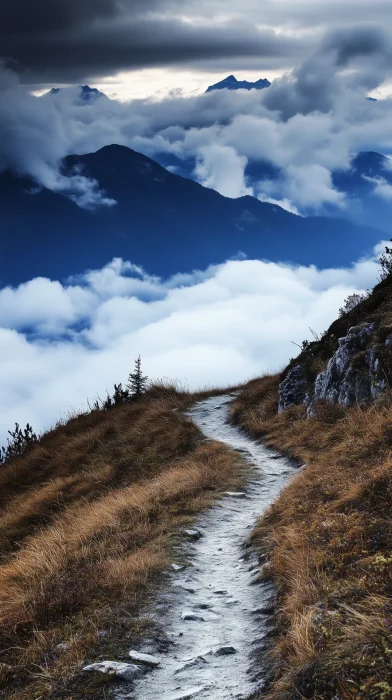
(162,221)
(86,94)
(231,83)
(363,206)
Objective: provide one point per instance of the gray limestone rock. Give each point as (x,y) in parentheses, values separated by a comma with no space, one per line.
(293,389)
(127,672)
(353,374)
(189,615)
(147,659)
(193,534)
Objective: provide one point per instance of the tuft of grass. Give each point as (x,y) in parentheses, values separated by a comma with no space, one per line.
(328,539)
(88,519)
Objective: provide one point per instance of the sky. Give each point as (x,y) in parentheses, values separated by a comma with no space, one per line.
(62,341)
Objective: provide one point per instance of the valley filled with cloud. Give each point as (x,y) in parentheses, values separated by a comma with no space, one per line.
(62,344)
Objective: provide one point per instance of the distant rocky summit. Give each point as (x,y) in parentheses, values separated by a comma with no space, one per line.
(84,93)
(231,83)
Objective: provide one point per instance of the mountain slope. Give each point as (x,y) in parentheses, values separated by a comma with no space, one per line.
(161,221)
(327,540)
(90,516)
(367,172)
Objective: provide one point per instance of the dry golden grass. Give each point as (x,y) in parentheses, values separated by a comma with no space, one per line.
(88,518)
(329,542)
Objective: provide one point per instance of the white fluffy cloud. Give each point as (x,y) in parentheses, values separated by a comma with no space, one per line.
(61,344)
(222,169)
(381,187)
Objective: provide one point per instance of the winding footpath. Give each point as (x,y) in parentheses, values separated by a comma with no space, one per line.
(213,614)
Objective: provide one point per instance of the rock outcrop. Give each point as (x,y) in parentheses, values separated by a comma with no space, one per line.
(293,389)
(353,374)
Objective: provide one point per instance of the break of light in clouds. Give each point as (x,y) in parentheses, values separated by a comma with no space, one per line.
(159,83)
(61,344)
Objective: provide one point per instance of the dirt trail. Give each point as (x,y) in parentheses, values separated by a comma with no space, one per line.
(212,612)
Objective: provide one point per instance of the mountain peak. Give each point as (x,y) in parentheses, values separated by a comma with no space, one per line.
(231,83)
(86,93)
(89,94)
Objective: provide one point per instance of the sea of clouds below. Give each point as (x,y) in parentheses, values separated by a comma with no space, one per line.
(61,344)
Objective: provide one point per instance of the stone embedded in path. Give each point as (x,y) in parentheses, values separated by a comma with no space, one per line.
(268,609)
(193,534)
(188,694)
(197,662)
(191,616)
(184,587)
(202,606)
(147,659)
(127,672)
(235,494)
(231,602)
(178,567)
(225,651)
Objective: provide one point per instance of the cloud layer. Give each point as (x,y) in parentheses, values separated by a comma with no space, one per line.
(306,125)
(66,41)
(63,343)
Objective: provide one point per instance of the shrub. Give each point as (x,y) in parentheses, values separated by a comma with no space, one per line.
(20,440)
(351,302)
(386,263)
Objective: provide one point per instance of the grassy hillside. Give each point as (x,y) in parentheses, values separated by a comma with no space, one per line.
(328,538)
(88,519)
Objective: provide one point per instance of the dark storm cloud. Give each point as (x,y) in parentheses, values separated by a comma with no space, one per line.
(70,41)
(352,42)
(319,80)
(17,16)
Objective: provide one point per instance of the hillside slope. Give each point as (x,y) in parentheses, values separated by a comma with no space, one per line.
(327,540)
(89,517)
(161,221)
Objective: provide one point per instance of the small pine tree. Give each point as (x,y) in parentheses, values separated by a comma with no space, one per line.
(137,383)
(21,439)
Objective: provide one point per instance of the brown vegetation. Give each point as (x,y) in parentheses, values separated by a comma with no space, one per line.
(329,544)
(88,517)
